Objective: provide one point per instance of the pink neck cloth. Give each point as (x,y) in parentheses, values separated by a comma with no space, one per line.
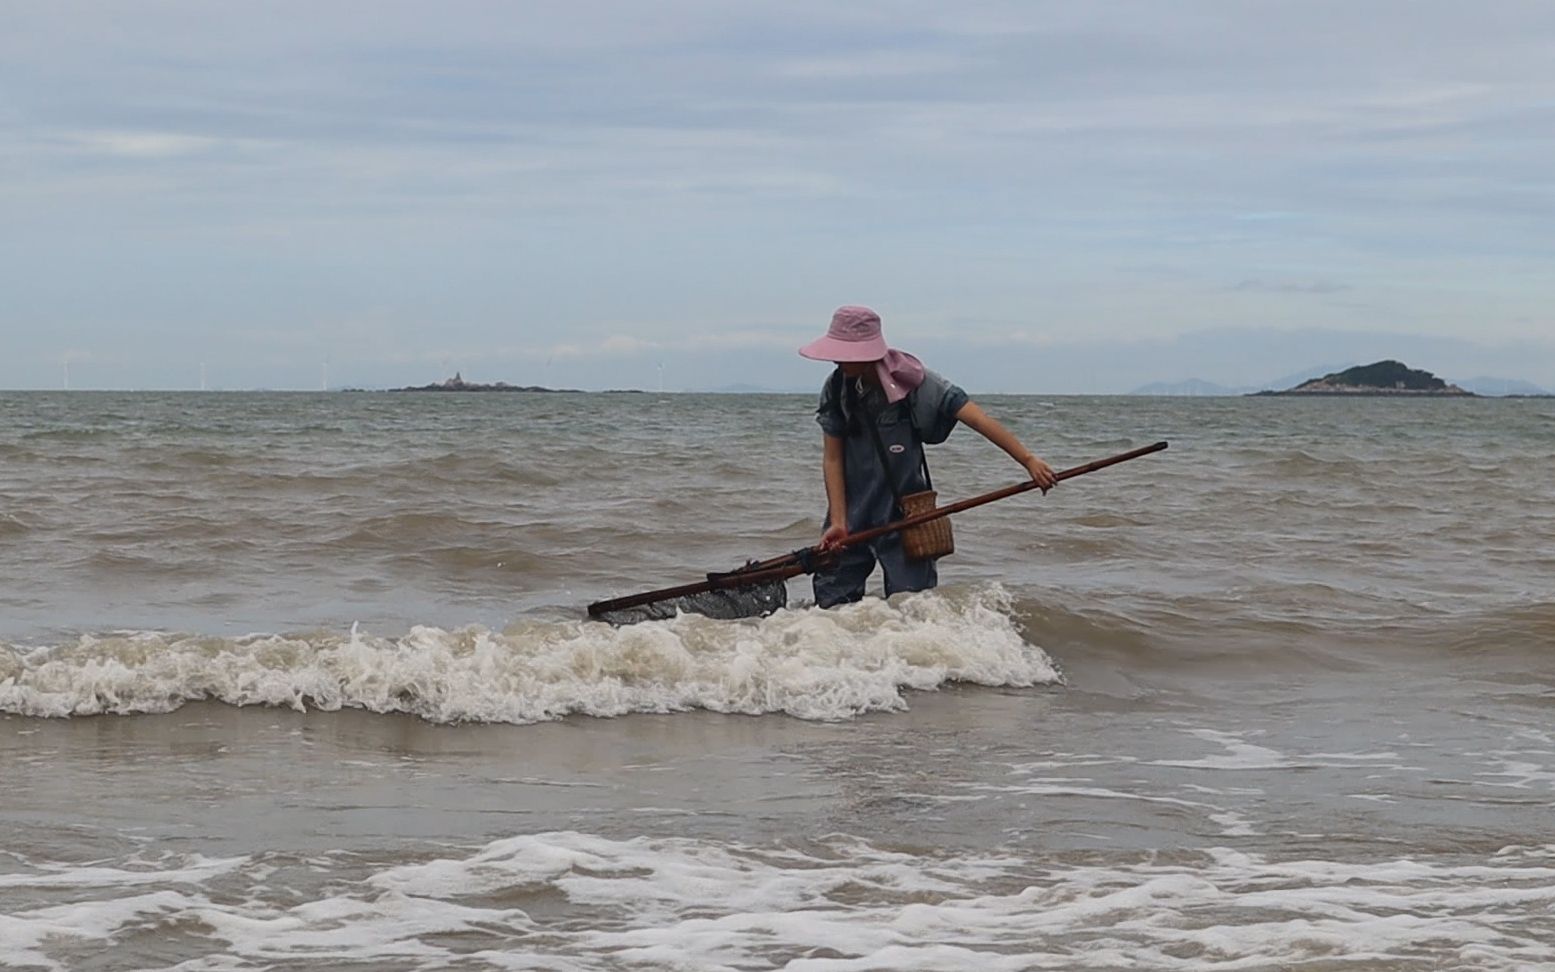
(899,373)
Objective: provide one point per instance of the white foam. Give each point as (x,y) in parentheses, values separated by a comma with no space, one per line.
(1516,773)
(1239,755)
(1231,822)
(807,663)
(1243,755)
(195,871)
(575,901)
(25,936)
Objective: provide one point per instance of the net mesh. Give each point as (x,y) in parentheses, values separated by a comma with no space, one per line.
(728,604)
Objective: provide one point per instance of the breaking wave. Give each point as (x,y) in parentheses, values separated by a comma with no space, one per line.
(578,901)
(807,663)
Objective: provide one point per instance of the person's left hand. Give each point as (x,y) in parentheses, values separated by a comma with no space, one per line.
(1041,472)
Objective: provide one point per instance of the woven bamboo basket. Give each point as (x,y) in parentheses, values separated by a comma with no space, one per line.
(930,540)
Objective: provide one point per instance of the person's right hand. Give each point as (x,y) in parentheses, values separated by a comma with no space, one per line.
(833,536)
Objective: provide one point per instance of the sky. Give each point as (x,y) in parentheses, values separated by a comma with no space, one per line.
(1036,196)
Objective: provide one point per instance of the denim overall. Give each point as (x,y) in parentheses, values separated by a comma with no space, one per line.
(870,499)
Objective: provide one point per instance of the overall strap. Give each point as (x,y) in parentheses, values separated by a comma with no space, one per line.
(923,454)
(872,421)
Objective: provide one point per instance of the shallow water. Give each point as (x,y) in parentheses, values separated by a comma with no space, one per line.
(302,681)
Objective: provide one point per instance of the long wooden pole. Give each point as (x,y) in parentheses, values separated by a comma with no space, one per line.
(804,561)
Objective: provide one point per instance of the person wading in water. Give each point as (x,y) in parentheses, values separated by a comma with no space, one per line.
(877,409)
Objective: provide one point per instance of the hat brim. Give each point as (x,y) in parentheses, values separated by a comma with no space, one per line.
(834,349)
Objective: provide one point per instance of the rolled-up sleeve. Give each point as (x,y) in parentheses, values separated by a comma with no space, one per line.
(938,401)
(828,414)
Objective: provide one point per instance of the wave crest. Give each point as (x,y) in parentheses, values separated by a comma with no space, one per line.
(807,663)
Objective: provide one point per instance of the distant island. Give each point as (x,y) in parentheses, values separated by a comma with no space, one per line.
(458,384)
(1381,378)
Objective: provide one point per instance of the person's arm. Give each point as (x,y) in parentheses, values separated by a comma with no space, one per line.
(834,471)
(989,428)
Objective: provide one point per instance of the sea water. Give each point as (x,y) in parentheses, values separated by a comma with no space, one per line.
(304,681)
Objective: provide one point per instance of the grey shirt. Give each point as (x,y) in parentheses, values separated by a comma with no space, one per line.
(935,403)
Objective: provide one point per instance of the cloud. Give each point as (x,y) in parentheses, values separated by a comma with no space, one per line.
(581,172)
(626,344)
(1290,287)
(143,145)
(613,345)
(856,65)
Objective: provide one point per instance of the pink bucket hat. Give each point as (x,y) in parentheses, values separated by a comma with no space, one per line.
(855,335)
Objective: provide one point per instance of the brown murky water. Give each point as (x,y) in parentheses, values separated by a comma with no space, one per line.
(302,681)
